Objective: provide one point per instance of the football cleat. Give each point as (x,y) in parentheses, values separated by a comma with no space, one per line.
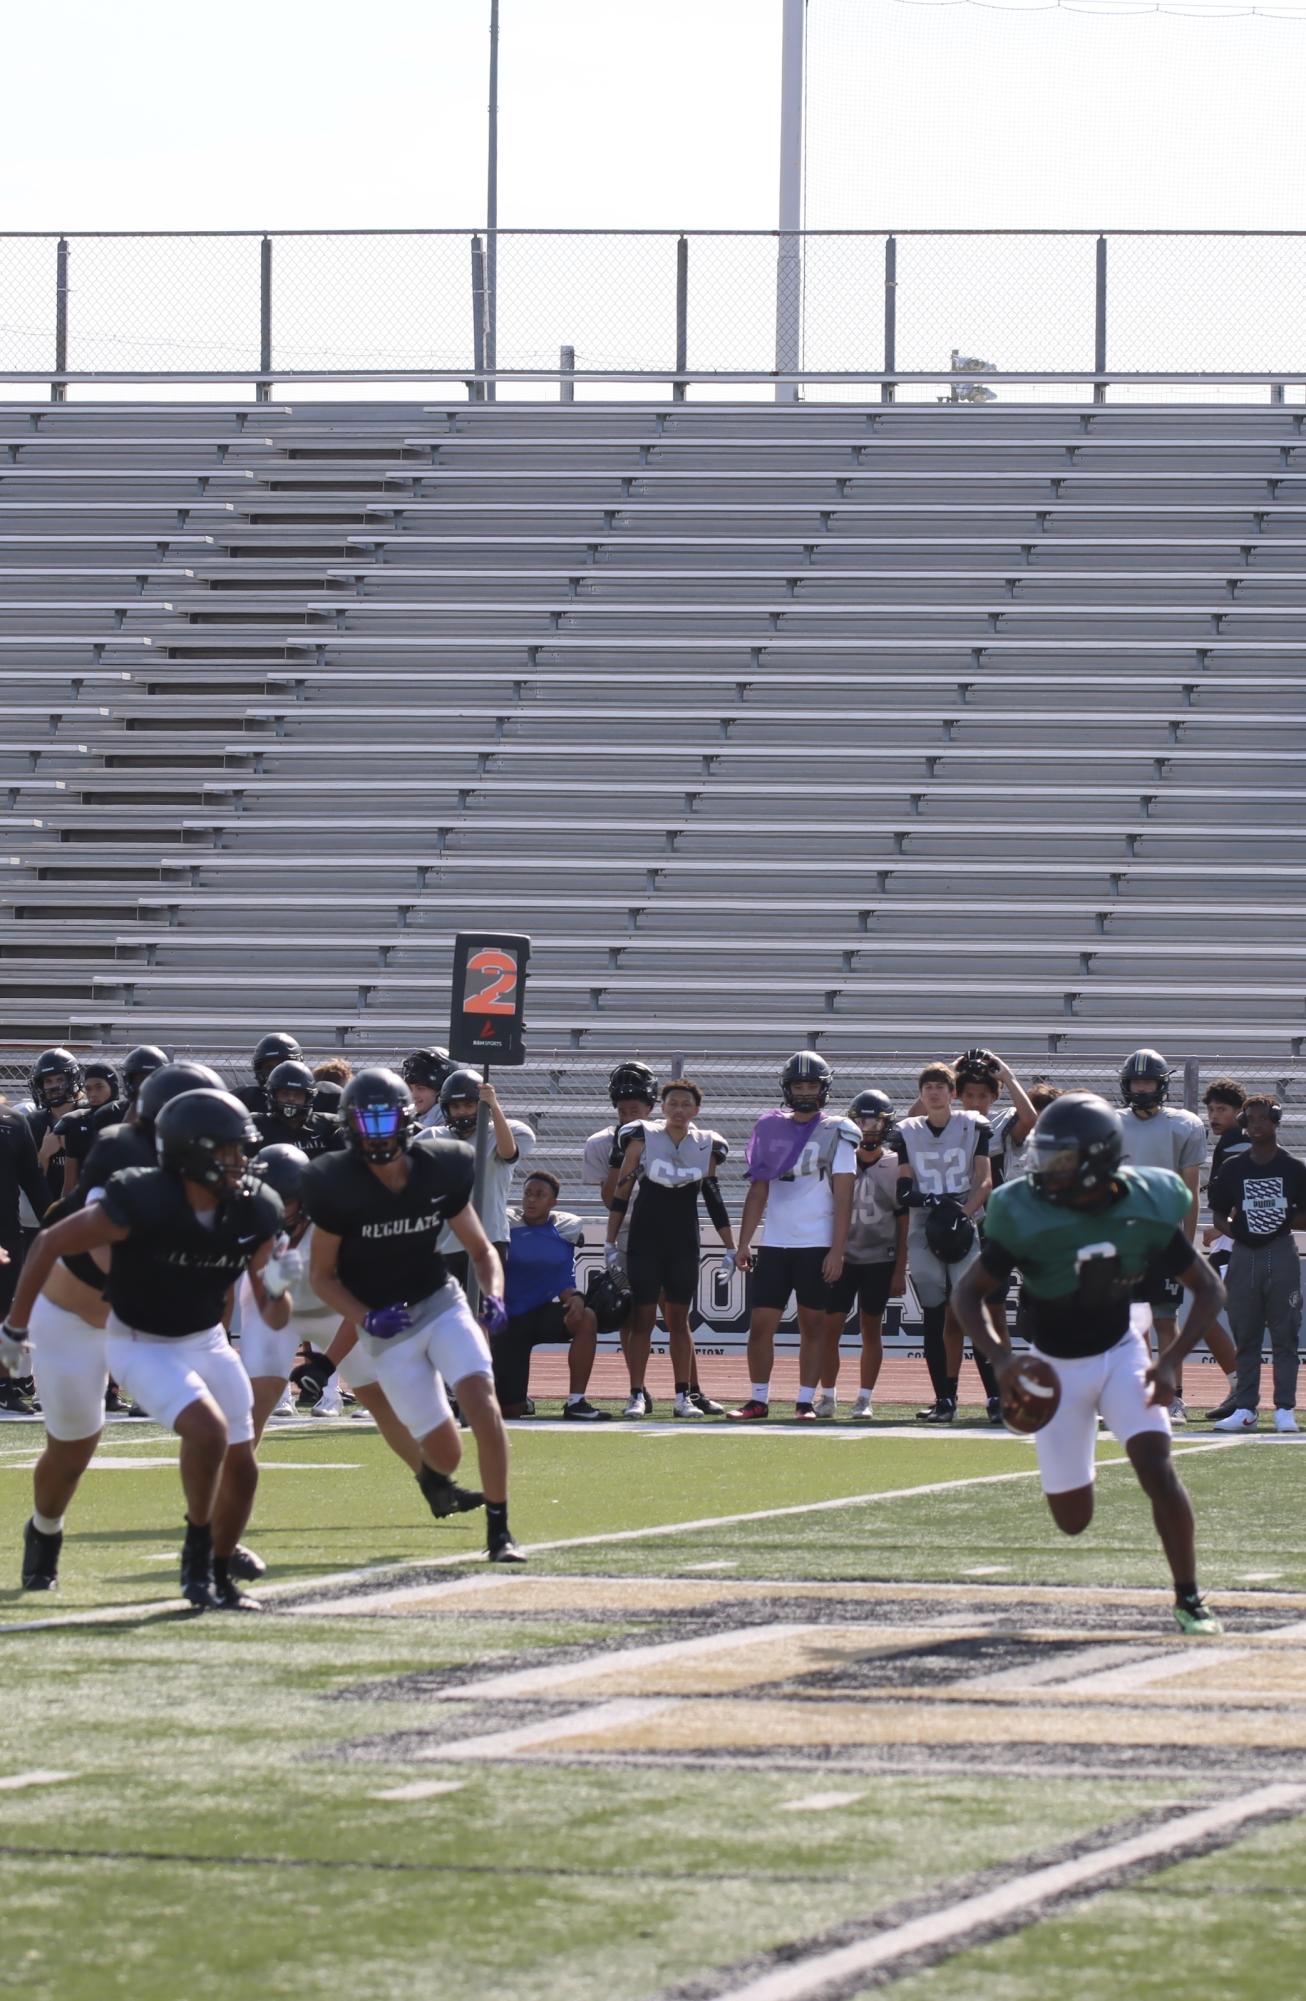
(585,1412)
(1237,1420)
(804,1413)
(113,1403)
(331,1403)
(504,1550)
(444,1497)
(245,1564)
(227,1594)
(685,1406)
(1194,1617)
(827,1404)
(284,1406)
(197,1572)
(40,1558)
(13,1403)
(995,1411)
(639,1404)
(945,1410)
(929,1414)
(862,1411)
(752,1412)
(1225,1409)
(1178,1411)
(1286,1420)
(705,1405)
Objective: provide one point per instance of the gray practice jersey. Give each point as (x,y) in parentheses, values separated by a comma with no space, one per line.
(670,1164)
(873,1231)
(1171,1138)
(596,1165)
(498,1181)
(941,1158)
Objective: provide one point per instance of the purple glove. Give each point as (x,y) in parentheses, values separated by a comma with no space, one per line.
(384,1322)
(492,1313)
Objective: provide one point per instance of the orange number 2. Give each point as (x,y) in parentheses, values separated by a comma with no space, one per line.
(497,996)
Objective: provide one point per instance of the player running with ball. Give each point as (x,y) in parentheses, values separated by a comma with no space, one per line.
(1085,1231)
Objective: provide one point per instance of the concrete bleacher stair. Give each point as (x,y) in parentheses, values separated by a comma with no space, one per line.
(895,727)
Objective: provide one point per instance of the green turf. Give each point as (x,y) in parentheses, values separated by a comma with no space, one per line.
(220,1828)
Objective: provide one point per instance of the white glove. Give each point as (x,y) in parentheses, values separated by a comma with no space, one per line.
(728,1266)
(15,1352)
(611,1255)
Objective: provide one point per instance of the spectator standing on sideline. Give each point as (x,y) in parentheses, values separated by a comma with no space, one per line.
(543,1304)
(875,1255)
(461,1097)
(1259,1199)
(425,1072)
(1160,1135)
(801,1167)
(330,1077)
(1223,1098)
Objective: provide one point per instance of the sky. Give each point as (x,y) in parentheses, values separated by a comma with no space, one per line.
(654,114)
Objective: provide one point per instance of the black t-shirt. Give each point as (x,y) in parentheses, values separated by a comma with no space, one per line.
(388,1241)
(114,1148)
(172,1274)
(1260,1196)
(39,1123)
(1227,1148)
(79,1130)
(20,1173)
(319,1133)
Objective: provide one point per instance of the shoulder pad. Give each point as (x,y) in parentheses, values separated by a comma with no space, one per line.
(570,1228)
(635,1130)
(720,1146)
(847,1130)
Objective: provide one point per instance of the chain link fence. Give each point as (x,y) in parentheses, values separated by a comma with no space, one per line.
(658,305)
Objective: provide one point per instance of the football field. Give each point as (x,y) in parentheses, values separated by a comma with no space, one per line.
(771,1714)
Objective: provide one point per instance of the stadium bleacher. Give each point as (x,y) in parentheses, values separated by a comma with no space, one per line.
(893,726)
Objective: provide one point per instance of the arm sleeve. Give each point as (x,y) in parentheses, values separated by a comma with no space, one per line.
(983,1138)
(1175,1257)
(715,1204)
(997,1260)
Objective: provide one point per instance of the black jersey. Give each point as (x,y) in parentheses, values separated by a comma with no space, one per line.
(252,1096)
(20,1174)
(111,1114)
(319,1133)
(387,1240)
(171,1275)
(80,1129)
(114,1148)
(39,1123)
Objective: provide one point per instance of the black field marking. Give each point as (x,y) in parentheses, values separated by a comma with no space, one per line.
(739,1979)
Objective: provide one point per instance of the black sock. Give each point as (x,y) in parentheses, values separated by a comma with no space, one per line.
(950,1388)
(431,1477)
(221,1574)
(199,1535)
(1185,1593)
(496,1520)
(682,1389)
(935,1358)
(986,1375)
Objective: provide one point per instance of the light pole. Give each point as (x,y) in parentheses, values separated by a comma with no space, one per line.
(492,210)
(789,256)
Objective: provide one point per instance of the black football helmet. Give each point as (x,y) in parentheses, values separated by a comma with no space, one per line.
(1076,1147)
(281,1167)
(608,1300)
(378,1114)
(273,1049)
(806,1068)
(137,1065)
(633,1080)
(56,1078)
(290,1076)
(207,1136)
(873,1104)
(977,1066)
(458,1086)
(949,1232)
(159,1087)
(98,1071)
(1145,1066)
(428,1067)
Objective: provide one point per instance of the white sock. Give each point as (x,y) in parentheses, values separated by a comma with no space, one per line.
(863,1396)
(47,1524)
(761,1392)
(806,1395)
(576,1396)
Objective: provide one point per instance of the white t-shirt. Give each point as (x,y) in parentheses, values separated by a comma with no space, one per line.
(800,1209)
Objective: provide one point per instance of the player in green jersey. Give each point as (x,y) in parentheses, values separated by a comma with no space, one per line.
(1084,1232)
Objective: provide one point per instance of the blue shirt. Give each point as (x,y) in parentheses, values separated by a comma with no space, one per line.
(540,1265)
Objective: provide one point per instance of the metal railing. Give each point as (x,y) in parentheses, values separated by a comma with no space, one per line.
(950,314)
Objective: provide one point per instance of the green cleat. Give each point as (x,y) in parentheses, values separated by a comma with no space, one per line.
(1194,1617)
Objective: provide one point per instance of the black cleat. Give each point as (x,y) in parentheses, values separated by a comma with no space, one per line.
(930,1413)
(245,1564)
(40,1558)
(504,1550)
(227,1594)
(444,1497)
(13,1403)
(945,1410)
(585,1412)
(197,1571)
(995,1411)
(701,1401)
(113,1403)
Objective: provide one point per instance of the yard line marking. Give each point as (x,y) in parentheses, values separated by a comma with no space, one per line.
(820,1802)
(1297,1631)
(526,1736)
(722,1564)
(420,1789)
(1019,1902)
(541,1680)
(987,1570)
(1156,1667)
(1057,1670)
(19,1781)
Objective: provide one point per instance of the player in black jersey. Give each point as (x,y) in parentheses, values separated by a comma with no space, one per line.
(180,1235)
(377,1212)
(278,1047)
(20,1177)
(288,1117)
(56,1085)
(75,1131)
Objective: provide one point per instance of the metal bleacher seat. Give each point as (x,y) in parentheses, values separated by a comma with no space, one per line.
(888,725)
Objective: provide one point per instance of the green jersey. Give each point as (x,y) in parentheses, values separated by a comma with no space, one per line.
(1080,1268)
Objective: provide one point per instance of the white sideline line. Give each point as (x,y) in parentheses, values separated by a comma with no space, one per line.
(1157,1667)
(18,1781)
(820,1802)
(420,1789)
(1019,1899)
(541,1680)
(580,1723)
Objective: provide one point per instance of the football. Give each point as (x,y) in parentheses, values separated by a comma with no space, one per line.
(1030,1395)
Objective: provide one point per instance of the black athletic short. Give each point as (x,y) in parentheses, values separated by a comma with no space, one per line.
(1164,1295)
(780,1271)
(869,1285)
(661,1267)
